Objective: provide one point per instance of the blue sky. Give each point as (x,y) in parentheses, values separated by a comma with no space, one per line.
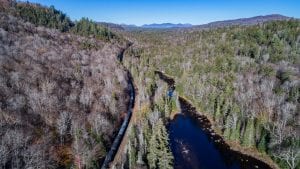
(175,11)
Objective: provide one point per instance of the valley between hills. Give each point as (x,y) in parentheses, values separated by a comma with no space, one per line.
(85,94)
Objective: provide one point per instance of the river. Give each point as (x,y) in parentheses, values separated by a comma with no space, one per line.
(195,145)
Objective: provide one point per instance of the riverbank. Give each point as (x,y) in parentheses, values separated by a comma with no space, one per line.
(247,154)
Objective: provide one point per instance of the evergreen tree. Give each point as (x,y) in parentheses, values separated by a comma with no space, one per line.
(217,109)
(152,156)
(263,142)
(86,27)
(228,127)
(132,152)
(165,154)
(159,153)
(235,135)
(249,134)
(276,49)
(43,16)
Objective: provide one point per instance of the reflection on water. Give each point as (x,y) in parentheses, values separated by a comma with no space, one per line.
(196,148)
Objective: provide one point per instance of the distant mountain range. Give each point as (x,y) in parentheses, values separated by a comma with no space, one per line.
(217,24)
(157,26)
(245,21)
(112,26)
(166,25)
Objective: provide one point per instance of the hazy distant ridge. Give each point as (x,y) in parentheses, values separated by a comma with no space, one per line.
(241,21)
(166,25)
(245,21)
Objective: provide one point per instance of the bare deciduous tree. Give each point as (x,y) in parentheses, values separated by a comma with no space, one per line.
(100,124)
(4,153)
(86,96)
(153,117)
(63,125)
(277,132)
(290,156)
(35,157)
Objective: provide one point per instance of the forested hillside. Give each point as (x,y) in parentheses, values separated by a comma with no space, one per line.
(62,96)
(53,18)
(65,88)
(245,79)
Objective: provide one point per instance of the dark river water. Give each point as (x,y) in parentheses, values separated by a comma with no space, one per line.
(194,147)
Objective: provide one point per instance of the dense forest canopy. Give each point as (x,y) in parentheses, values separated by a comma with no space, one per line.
(48,17)
(53,18)
(245,78)
(86,27)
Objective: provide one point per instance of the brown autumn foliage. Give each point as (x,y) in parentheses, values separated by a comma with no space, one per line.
(61,95)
